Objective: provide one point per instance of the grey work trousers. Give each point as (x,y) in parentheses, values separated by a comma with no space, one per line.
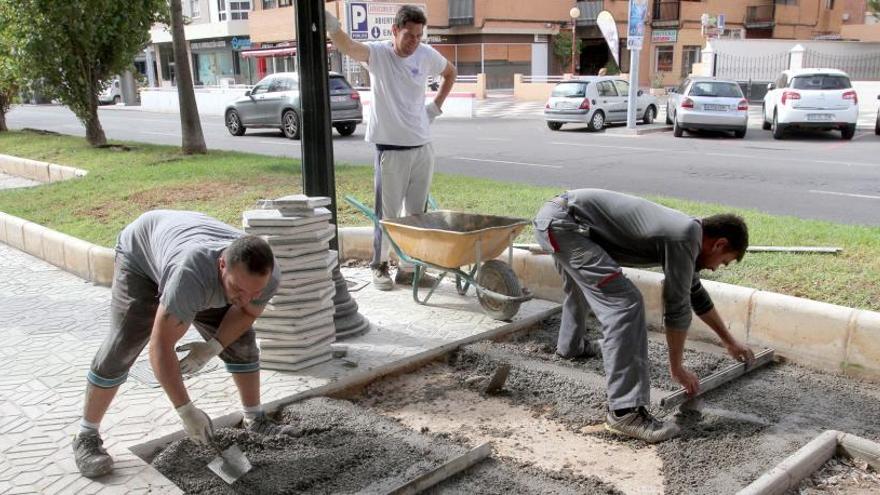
(591,276)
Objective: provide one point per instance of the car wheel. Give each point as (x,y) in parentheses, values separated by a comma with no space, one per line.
(778,130)
(764,124)
(597,123)
(346,128)
(848,132)
(233,123)
(877,125)
(650,113)
(677,131)
(554,126)
(117,99)
(668,116)
(290,124)
(740,133)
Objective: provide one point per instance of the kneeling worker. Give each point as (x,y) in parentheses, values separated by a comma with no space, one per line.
(173,269)
(591,233)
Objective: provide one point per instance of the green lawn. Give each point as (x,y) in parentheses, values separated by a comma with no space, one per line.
(122,184)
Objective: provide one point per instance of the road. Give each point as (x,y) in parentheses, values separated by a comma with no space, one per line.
(812,176)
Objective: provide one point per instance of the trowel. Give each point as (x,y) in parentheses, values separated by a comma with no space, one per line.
(230,464)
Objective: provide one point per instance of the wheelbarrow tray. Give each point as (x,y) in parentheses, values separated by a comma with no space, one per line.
(449,238)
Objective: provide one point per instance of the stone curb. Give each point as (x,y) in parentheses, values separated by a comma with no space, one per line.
(38,171)
(811,333)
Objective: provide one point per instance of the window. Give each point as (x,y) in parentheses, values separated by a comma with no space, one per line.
(786,2)
(195,9)
(570,90)
(238,10)
(285,3)
(716,89)
(781,81)
(829,4)
(690,55)
(663,58)
(820,81)
(622,87)
(461,12)
(262,87)
(282,84)
(269,4)
(338,84)
(605,88)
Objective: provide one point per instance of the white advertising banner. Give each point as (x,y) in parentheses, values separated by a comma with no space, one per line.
(608,27)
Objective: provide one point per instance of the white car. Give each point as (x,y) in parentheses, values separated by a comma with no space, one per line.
(811,98)
(708,104)
(595,101)
(112,92)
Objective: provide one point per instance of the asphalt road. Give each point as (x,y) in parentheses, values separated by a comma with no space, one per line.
(812,175)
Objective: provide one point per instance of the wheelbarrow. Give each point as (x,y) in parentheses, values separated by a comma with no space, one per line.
(450,241)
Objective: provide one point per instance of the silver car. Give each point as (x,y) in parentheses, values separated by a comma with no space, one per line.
(595,101)
(701,103)
(275,102)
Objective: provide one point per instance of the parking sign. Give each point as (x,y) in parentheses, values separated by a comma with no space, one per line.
(372,21)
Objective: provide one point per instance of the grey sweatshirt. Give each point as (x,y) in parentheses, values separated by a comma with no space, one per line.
(637,232)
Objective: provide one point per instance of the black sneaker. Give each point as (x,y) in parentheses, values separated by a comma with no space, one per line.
(266,426)
(426,281)
(642,425)
(382,277)
(91,458)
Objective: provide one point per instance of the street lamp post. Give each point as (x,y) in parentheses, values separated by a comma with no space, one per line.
(574,13)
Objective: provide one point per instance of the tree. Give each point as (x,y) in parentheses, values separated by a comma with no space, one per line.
(8,80)
(193,140)
(73,46)
(874,8)
(562,48)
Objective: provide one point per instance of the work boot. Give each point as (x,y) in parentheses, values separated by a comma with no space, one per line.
(592,349)
(382,278)
(403,277)
(91,458)
(642,425)
(266,426)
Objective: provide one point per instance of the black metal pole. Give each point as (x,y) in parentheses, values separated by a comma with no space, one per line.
(317,140)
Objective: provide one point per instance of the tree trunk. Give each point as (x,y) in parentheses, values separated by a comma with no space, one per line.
(4,106)
(94,132)
(191,126)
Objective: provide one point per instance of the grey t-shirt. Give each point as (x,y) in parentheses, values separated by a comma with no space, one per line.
(180,252)
(637,232)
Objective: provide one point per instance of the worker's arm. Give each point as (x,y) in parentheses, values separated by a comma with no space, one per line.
(167,330)
(236,322)
(343,41)
(737,350)
(449,74)
(675,339)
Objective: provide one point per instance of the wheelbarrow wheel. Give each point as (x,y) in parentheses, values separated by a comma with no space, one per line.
(498,277)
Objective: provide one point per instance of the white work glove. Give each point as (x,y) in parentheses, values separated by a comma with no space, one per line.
(433,111)
(331,23)
(196,423)
(199,355)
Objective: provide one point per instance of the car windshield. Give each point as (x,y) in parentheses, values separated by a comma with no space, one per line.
(716,89)
(570,90)
(820,81)
(338,84)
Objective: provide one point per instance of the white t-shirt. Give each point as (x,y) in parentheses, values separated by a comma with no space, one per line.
(397,112)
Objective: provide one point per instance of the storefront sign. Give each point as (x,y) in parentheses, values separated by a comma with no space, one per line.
(664,36)
(208,45)
(638,11)
(372,21)
(240,43)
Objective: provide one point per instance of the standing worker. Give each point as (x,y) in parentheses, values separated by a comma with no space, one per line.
(173,269)
(399,123)
(591,233)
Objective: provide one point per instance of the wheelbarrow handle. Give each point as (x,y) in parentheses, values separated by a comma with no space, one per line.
(363,208)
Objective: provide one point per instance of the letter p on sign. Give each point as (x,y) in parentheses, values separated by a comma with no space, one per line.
(358,16)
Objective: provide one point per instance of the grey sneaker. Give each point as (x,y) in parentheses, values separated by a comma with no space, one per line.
(266,426)
(91,458)
(592,349)
(382,278)
(426,281)
(642,425)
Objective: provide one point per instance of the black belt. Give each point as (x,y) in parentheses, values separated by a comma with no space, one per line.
(394,147)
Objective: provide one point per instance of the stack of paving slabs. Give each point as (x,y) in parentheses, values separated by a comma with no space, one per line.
(296,329)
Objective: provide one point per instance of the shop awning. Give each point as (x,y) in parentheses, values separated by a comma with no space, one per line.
(281,51)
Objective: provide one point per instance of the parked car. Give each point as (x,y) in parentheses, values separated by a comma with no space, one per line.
(811,98)
(595,101)
(275,102)
(701,103)
(112,92)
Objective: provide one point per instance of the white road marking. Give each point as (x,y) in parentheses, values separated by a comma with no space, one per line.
(833,193)
(279,142)
(540,165)
(172,134)
(494,139)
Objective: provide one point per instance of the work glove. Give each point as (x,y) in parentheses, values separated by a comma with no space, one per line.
(196,423)
(331,23)
(199,355)
(433,111)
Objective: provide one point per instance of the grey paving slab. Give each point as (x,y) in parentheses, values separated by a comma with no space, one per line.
(12,182)
(52,322)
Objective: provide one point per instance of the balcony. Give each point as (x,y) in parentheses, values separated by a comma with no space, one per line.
(589,11)
(666,14)
(760,16)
